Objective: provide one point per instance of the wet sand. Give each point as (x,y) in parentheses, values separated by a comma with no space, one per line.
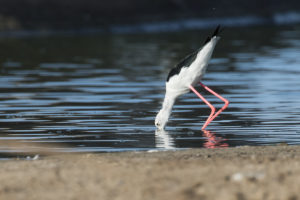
(271,172)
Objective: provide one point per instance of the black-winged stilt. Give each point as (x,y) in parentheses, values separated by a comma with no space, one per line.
(188,73)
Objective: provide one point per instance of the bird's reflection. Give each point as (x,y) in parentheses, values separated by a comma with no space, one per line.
(163,140)
(213,141)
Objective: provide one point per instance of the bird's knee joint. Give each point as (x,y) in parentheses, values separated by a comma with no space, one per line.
(226,102)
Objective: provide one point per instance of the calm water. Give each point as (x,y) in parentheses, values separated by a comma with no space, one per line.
(101,92)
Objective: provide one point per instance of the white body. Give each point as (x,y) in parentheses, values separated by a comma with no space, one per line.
(180,84)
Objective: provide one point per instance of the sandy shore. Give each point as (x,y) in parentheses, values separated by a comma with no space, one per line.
(271,172)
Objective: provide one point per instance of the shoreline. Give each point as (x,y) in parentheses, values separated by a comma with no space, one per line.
(264,172)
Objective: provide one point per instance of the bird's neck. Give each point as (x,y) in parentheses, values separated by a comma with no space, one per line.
(168,103)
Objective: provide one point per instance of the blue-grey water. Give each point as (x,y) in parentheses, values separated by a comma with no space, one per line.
(98,93)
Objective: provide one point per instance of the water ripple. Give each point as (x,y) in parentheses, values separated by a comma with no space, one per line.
(106,99)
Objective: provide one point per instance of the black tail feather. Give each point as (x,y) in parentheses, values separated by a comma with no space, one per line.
(207,40)
(217,32)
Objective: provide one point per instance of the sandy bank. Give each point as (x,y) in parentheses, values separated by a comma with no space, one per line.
(235,173)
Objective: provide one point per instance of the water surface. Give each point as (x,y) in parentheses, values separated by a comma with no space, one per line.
(95,93)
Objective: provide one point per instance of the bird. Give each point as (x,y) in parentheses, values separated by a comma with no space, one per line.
(185,76)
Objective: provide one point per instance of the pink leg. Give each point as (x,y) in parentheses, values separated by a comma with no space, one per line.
(213,109)
(220,97)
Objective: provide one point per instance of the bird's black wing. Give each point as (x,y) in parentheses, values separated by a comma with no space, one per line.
(187,61)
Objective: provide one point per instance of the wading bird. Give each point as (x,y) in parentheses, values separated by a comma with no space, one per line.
(187,74)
